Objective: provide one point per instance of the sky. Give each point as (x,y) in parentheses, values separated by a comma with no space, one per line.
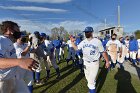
(43,15)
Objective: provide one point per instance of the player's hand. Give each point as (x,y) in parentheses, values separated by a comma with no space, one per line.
(120,55)
(28,64)
(30,40)
(107,65)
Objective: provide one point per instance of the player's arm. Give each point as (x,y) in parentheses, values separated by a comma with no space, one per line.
(28,64)
(107,46)
(101,50)
(137,46)
(25,51)
(73,44)
(120,49)
(106,59)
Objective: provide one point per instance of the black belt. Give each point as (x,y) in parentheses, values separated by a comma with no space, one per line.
(92,61)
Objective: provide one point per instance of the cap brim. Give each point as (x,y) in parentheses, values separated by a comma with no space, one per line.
(87,31)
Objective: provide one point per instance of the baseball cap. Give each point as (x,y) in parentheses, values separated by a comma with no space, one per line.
(43,35)
(88,29)
(36,32)
(23,34)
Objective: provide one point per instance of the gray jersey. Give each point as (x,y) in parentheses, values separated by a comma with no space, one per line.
(7,50)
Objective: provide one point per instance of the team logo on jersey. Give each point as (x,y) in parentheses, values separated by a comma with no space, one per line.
(92,52)
(89,46)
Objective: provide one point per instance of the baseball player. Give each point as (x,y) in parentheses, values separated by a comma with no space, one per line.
(138,56)
(105,40)
(114,47)
(62,50)
(50,55)
(22,51)
(9,62)
(79,53)
(133,48)
(91,47)
(71,51)
(37,54)
(127,57)
(121,58)
(57,44)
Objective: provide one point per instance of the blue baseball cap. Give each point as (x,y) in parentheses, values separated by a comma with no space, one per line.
(88,29)
(23,34)
(43,35)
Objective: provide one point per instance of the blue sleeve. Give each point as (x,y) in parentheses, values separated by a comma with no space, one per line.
(60,42)
(44,47)
(137,46)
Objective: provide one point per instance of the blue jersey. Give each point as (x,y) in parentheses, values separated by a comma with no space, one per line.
(78,40)
(104,42)
(57,43)
(133,45)
(51,47)
(78,52)
(43,46)
(7,50)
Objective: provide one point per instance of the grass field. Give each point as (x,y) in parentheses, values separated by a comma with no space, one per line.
(71,81)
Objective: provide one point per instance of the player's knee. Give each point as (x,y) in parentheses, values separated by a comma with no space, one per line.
(91,85)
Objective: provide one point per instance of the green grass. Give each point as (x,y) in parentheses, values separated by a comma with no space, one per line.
(71,81)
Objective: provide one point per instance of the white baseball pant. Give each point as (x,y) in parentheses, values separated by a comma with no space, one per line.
(138,56)
(52,59)
(113,56)
(91,70)
(124,52)
(133,54)
(127,54)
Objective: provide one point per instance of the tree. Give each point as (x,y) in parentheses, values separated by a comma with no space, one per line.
(58,31)
(137,34)
(54,32)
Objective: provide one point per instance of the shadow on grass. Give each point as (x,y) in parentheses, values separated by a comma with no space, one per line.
(53,82)
(69,86)
(101,78)
(61,70)
(124,82)
(138,70)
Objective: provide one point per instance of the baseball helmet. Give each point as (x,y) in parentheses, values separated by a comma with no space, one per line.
(80,35)
(43,35)
(88,29)
(23,34)
(36,32)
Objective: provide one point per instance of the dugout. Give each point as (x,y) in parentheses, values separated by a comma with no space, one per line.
(112,30)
